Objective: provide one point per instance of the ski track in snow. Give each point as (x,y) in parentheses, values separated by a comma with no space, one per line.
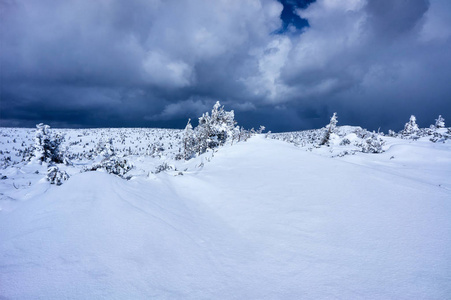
(261,220)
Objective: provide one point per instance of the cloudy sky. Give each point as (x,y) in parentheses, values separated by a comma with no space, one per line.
(285,64)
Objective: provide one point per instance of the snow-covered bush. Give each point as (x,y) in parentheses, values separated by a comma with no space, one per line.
(163,167)
(113,165)
(436,137)
(372,144)
(106,149)
(345,142)
(47,146)
(392,133)
(440,136)
(56,176)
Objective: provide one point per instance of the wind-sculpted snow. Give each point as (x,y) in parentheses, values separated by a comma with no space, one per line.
(261,219)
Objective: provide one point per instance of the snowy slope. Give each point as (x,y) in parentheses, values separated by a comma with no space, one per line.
(262,220)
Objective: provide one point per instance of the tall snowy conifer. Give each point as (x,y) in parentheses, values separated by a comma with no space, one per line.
(330,128)
(411,127)
(47,147)
(189,141)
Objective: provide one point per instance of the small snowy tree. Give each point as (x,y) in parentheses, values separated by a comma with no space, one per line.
(216,129)
(330,129)
(440,122)
(411,127)
(202,134)
(189,141)
(47,147)
(222,124)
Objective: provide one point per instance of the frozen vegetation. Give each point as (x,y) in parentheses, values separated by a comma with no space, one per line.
(219,212)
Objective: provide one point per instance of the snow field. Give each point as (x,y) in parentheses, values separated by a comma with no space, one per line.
(260,220)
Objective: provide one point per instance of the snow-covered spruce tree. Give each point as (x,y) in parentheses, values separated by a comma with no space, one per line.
(47,147)
(329,129)
(411,128)
(215,129)
(440,122)
(189,142)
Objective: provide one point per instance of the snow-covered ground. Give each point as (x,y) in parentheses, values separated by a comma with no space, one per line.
(262,219)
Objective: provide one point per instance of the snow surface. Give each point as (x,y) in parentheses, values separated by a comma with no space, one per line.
(262,219)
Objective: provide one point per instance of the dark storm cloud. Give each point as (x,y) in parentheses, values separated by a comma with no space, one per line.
(156,63)
(391,19)
(375,62)
(132,59)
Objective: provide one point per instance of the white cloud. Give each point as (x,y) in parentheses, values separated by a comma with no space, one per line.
(160,70)
(271,59)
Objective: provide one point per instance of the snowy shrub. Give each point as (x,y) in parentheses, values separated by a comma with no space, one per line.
(56,176)
(179,157)
(363,133)
(392,133)
(440,137)
(268,134)
(346,152)
(106,149)
(113,165)
(47,146)
(436,137)
(27,153)
(345,142)
(163,167)
(373,144)
(155,150)
(243,134)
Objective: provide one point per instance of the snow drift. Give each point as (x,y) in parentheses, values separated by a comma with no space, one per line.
(261,220)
